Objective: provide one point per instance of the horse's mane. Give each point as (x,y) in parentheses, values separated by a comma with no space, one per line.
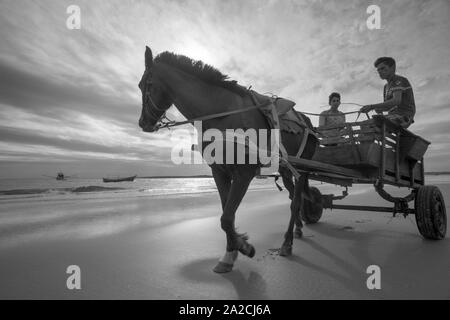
(200,70)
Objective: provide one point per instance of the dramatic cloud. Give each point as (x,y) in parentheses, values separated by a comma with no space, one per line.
(71,95)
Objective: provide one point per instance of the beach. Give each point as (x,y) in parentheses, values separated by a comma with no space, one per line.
(141,246)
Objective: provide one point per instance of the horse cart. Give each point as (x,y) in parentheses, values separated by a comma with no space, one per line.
(381,153)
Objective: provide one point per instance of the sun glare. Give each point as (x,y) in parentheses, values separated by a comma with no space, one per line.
(197,52)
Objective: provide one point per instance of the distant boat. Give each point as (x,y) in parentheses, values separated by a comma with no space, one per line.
(119,179)
(60,176)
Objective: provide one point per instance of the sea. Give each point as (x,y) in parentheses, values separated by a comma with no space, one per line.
(88,188)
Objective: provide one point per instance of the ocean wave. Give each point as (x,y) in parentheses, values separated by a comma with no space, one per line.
(23,191)
(95,189)
(82,189)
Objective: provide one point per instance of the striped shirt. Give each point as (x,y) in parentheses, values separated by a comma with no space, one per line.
(330,117)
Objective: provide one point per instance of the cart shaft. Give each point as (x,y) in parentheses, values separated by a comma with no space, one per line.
(369,208)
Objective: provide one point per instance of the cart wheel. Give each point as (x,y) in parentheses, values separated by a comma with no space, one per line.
(431,217)
(313,209)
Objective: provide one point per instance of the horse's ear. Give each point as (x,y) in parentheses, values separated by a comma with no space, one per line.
(148,58)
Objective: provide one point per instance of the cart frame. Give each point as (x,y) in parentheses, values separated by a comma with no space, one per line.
(378,152)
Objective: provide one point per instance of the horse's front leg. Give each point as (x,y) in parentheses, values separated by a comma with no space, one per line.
(223,182)
(241,178)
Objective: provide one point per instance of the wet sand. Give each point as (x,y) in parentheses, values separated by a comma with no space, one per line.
(166,248)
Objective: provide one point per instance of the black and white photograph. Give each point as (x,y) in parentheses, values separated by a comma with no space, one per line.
(242,151)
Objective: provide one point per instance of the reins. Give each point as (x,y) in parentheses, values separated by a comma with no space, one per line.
(170,123)
(345,113)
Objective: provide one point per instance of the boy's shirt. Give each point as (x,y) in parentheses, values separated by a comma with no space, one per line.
(407,107)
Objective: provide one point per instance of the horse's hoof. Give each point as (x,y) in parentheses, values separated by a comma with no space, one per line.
(223,267)
(286,251)
(247,250)
(298,233)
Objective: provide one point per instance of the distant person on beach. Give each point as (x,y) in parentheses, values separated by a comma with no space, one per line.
(398,95)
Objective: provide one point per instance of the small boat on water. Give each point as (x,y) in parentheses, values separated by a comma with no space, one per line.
(59,176)
(119,179)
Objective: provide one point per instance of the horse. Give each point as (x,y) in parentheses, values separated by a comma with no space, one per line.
(197,89)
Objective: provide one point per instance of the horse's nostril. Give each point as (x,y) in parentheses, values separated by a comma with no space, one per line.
(148,128)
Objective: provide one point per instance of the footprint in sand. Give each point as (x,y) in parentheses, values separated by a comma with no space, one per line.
(272,253)
(275,252)
(347,228)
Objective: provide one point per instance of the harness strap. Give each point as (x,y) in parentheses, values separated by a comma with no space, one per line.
(288,165)
(216,115)
(306,134)
(276,122)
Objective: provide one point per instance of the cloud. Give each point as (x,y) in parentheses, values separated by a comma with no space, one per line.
(82,133)
(75,91)
(41,95)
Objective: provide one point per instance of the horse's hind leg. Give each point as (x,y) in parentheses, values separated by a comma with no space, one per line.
(296,204)
(298,233)
(286,176)
(306,195)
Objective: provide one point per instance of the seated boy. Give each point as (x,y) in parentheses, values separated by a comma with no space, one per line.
(398,95)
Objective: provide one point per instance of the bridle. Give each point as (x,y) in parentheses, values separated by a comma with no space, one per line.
(148,100)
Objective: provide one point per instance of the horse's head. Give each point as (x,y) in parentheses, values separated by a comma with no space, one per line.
(155,98)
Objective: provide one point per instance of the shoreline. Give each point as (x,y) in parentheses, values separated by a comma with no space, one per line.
(166,248)
(132,193)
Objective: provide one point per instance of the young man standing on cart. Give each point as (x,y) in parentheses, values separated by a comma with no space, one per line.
(398,95)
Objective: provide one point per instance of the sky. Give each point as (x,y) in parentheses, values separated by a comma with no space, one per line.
(69,98)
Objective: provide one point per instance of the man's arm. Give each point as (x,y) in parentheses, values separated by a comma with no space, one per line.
(384,106)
